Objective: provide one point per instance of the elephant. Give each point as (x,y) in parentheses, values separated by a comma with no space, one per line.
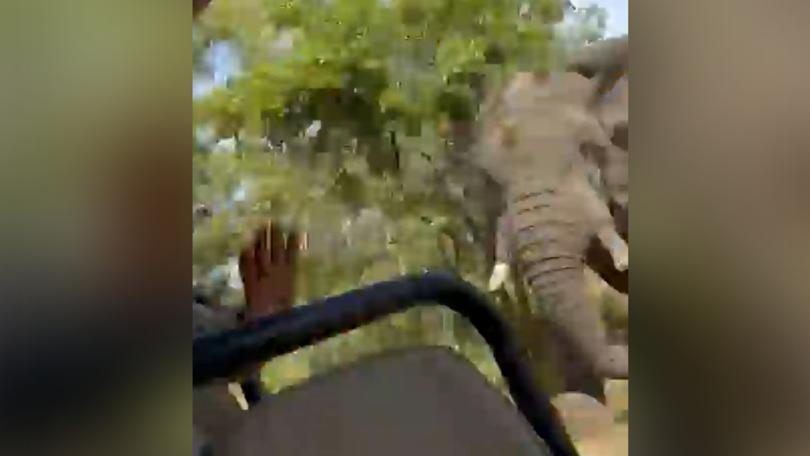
(606,64)
(533,142)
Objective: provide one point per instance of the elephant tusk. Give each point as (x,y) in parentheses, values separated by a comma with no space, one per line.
(499,275)
(621,253)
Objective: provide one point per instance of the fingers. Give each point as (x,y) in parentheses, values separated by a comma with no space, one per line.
(246,264)
(250,264)
(260,257)
(276,244)
(293,246)
(281,252)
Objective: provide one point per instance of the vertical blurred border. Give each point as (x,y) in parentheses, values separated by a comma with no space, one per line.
(720,224)
(95,191)
(95,174)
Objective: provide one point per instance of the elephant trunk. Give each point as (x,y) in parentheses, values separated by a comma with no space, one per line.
(550,240)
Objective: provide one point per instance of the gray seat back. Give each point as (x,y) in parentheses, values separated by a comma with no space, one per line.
(425,401)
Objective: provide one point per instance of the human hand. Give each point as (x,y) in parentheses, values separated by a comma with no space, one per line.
(267,267)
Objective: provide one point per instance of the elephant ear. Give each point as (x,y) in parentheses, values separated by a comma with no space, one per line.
(601,57)
(613,111)
(576,92)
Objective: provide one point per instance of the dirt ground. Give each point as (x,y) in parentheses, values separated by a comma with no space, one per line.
(598,430)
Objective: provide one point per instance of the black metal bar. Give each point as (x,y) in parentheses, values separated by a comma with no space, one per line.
(222,355)
(252,390)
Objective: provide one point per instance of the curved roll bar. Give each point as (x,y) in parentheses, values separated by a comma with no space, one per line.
(222,355)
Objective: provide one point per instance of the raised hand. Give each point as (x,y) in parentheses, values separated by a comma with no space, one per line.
(267,267)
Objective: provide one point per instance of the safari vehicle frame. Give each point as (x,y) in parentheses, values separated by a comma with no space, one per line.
(223,355)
